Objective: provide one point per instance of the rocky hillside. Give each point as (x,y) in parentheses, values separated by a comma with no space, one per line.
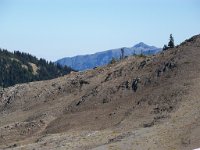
(21,67)
(137,103)
(84,62)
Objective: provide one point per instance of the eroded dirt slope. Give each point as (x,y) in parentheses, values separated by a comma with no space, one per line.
(108,108)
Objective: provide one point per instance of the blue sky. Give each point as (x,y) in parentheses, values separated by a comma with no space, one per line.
(53,29)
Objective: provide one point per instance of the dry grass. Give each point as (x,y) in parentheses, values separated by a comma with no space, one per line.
(97,109)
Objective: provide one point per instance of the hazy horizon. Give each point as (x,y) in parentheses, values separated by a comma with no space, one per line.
(53,29)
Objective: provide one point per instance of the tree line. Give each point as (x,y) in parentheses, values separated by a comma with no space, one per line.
(17,68)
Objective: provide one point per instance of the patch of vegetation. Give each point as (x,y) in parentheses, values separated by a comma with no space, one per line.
(141,55)
(114,60)
(187,62)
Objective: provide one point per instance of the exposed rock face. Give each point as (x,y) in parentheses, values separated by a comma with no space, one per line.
(102,108)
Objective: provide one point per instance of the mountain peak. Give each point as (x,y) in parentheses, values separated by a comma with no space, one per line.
(141,45)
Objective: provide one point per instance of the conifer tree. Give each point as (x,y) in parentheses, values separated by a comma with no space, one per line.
(171,41)
(122,53)
(165,47)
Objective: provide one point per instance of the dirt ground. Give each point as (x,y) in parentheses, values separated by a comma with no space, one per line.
(137,103)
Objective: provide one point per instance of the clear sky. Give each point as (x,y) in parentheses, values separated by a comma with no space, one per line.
(53,29)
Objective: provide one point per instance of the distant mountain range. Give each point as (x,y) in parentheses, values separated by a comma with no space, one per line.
(84,62)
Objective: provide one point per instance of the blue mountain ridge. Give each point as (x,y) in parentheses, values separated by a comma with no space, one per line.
(85,62)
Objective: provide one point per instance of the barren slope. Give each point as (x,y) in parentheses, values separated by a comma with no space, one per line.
(98,109)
